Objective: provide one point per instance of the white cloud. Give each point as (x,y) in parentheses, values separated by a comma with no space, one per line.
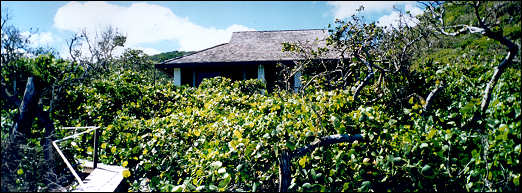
(348,8)
(393,19)
(41,39)
(38,39)
(413,10)
(142,23)
(345,9)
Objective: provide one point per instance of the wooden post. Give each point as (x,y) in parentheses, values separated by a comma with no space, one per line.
(284,171)
(95,159)
(297,81)
(194,78)
(177,76)
(261,72)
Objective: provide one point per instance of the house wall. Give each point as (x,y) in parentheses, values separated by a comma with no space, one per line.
(194,76)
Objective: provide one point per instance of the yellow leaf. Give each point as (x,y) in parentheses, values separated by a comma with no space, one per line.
(350,98)
(113,149)
(199,172)
(303,160)
(196,132)
(126,173)
(431,133)
(20,172)
(125,163)
(145,151)
(237,134)
(103,145)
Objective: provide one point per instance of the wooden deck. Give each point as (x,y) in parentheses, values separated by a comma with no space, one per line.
(105,178)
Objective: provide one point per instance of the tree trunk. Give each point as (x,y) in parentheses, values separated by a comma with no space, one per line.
(27,112)
(12,154)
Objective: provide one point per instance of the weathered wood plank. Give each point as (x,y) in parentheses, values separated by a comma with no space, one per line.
(105,178)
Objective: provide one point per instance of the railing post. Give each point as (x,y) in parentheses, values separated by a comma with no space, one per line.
(95,159)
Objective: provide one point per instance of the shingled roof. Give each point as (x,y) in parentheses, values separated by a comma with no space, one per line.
(251,46)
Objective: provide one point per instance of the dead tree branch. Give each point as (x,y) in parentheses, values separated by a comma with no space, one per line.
(286,157)
(431,96)
(437,11)
(366,80)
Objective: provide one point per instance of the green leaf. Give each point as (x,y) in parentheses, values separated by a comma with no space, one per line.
(426,170)
(468,107)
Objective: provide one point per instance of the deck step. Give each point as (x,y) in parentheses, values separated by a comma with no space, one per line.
(105,178)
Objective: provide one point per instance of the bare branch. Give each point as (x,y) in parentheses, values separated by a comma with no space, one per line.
(431,96)
(324,141)
(286,157)
(491,84)
(366,79)
(485,30)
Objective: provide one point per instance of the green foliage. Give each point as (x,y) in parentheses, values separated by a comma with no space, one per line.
(218,138)
(168,55)
(29,172)
(227,136)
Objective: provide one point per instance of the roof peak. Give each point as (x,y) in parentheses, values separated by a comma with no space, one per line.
(281,30)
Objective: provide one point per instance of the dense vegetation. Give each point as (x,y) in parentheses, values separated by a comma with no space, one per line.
(228,136)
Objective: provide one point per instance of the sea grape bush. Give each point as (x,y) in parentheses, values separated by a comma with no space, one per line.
(227,136)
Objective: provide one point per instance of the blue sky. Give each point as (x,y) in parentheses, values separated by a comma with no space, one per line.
(161,26)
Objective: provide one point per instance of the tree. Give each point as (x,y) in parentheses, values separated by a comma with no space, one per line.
(32,123)
(443,64)
(364,51)
(486,21)
(38,80)
(100,49)
(354,44)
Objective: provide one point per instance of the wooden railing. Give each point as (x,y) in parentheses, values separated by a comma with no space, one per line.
(95,144)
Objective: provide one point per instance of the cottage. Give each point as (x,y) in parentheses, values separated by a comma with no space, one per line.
(248,55)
